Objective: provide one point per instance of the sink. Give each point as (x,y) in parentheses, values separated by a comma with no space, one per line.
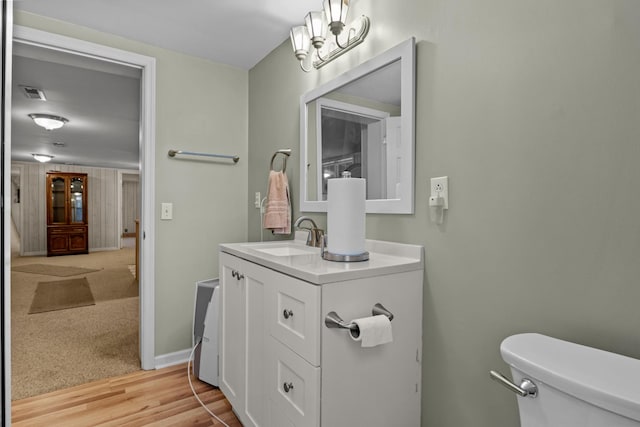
(283,249)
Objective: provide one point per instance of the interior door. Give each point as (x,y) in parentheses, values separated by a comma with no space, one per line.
(5,206)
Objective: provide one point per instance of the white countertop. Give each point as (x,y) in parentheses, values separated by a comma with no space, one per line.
(384,258)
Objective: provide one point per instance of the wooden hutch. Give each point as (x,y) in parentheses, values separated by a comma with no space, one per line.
(67,225)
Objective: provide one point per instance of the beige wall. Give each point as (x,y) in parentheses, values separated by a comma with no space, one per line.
(200,106)
(532,110)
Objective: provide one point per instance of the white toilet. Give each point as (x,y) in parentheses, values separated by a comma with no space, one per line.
(571,385)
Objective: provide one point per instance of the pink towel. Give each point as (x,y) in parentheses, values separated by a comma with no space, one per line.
(277,215)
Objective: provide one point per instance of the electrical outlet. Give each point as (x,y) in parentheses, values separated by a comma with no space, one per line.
(256,203)
(440,187)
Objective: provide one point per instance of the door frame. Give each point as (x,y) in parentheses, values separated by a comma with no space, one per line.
(6,35)
(147,65)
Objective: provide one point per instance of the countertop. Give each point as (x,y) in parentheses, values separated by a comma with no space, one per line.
(384,258)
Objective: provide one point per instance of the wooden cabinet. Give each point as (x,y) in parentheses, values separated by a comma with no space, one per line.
(280,365)
(67,225)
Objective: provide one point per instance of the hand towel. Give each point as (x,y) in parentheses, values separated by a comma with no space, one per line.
(277,215)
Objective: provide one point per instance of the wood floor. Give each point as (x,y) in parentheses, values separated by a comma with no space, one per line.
(145,398)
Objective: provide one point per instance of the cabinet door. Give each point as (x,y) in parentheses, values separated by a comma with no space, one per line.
(232,331)
(57,200)
(77,200)
(256,331)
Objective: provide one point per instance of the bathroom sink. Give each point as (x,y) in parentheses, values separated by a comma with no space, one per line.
(283,249)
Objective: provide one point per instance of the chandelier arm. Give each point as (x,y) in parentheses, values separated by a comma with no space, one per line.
(320,58)
(353,42)
(305,69)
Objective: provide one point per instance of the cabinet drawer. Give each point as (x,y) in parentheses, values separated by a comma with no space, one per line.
(293,313)
(294,387)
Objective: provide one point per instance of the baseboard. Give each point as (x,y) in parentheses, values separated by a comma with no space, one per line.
(171,359)
(36,253)
(108,248)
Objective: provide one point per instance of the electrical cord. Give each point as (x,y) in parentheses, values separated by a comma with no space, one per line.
(194,391)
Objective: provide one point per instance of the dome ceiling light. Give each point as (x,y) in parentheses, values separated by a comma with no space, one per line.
(42,158)
(48,121)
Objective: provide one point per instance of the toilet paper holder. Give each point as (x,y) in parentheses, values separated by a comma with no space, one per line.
(332,320)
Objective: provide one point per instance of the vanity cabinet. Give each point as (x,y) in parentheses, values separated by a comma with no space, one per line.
(67,225)
(280,365)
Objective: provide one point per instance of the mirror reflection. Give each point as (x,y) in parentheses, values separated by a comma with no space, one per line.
(357,126)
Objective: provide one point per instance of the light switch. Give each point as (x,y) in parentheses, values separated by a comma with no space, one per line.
(166,211)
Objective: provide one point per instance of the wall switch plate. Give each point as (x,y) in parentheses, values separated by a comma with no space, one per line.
(166,212)
(256,203)
(440,187)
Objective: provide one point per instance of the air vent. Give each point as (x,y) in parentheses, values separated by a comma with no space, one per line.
(58,144)
(34,93)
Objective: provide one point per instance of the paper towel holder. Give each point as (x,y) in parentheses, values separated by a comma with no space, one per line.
(337,257)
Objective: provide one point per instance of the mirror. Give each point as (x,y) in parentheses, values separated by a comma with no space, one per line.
(362,122)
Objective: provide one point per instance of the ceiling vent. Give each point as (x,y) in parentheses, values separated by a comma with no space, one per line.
(34,93)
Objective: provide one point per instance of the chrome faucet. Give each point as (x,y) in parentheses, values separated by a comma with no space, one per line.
(315,234)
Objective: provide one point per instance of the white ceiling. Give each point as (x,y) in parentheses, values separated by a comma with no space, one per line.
(234,32)
(101,100)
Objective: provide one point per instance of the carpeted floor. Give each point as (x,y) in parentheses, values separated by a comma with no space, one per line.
(62,348)
(52,270)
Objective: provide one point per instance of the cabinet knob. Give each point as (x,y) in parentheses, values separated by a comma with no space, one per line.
(237,275)
(287,387)
(287,313)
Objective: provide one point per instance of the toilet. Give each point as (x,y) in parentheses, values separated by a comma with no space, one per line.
(571,385)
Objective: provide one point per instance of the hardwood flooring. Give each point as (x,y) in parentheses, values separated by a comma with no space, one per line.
(144,398)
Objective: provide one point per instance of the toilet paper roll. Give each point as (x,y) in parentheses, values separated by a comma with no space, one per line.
(346,216)
(374,330)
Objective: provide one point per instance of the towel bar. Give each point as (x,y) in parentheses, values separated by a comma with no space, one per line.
(332,320)
(172,153)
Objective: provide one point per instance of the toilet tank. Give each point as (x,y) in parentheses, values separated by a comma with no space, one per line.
(578,386)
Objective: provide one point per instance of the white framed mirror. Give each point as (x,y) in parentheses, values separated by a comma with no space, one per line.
(362,121)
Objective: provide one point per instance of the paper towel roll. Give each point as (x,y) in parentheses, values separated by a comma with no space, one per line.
(374,330)
(346,216)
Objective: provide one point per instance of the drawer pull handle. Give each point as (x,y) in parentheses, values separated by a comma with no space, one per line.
(287,313)
(287,387)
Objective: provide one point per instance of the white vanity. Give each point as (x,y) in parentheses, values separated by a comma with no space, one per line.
(281,366)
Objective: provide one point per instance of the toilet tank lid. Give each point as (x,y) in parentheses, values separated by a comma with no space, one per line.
(607,380)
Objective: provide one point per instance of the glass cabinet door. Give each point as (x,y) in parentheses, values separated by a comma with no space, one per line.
(76,194)
(58,214)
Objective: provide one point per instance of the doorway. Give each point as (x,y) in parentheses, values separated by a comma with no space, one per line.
(146,65)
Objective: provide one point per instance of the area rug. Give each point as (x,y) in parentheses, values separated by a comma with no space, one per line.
(52,270)
(61,294)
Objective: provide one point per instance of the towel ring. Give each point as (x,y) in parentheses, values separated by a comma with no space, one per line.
(286,154)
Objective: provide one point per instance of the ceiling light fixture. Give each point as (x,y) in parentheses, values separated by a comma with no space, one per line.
(48,121)
(42,158)
(317,24)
